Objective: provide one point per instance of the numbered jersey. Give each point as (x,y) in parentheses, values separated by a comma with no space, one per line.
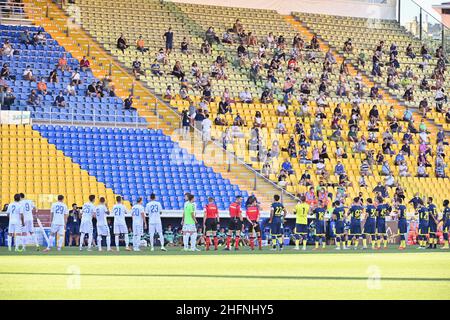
(100,215)
(27,208)
(119,211)
(14,212)
(153,210)
(136,214)
(88,212)
(59,210)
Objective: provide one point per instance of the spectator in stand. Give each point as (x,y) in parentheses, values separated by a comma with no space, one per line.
(28,74)
(76,77)
(62,63)
(8,99)
(168,36)
(211,37)
(137,69)
(140,45)
(85,65)
(42,87)
(128,103)
(178,70)
(34,99)
(5,73)
(422,171)
(122,43)
(70,89)
(25,38)
(287,167)
(245,96)
(53,76)
(60,101)
(7,49)
(92,90)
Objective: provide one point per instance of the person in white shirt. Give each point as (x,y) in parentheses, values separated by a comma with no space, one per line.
(246,96)
(71,89)
(28,230)
(139,223)
(58,213)
(101,213)
(154,209)
(16,222)
(206,131)
(120,226)
(86,225)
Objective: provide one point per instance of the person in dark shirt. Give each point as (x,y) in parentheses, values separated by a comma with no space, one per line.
(423,213)
(60,101)
(416,200)
(73,225)
(433,217)
(168,36)
(319,214)
(128,103)
(383,210)
(122,43)
(401,223)
(369,225)
(446,222)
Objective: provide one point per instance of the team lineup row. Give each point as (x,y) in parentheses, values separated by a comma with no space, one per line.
(373,214)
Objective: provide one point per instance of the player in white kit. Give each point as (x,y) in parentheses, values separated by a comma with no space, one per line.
(16,222)
(154,209)
(139,223)
(86,225)
(59,213)
(101,212)
(28,230)
(120,226)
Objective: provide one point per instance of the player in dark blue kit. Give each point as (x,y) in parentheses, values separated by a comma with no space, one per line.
(355,213)
(433,220)
(319,214)
(277,214)
(423,225)
(369,225)
(338,216)
(446,223)
(383,210)
(402,224)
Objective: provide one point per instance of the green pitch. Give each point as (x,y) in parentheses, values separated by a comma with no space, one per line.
(70,274)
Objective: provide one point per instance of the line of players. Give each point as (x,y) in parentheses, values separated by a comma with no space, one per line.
(21,223)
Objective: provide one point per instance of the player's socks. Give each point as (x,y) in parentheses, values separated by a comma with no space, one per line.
(50,241)
(236,243)
(324,242)
(378,242)
(304,244)
(186,241)
(99,243)
(117,242)
(280,242)
(82,240)
(193,240)
(60,242)
(35,240)
(216,242)
(17,242)
(356,243)
(349,243)
(274,242)
(90,237)
(260,242)
(228,241)
(108,242)
(9,242)
(316,243)
(385,241)
(338,242)
(127,240)
(364,242)
(252,243)
(207,242)
(297,242)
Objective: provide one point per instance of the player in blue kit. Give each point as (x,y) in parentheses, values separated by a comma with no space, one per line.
(355,213)
(423,225)
(369,225)
(401,223)
(446,223)
(319,214)
(433,220)
(277,214)
(338,216)
(383,210)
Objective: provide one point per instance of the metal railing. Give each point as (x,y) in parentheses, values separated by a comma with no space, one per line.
(423,25)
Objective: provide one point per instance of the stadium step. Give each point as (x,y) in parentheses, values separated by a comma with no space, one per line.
(32,165)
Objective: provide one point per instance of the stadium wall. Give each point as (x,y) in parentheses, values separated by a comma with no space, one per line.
(353,8)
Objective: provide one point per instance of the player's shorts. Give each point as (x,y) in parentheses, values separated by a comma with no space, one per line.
(28,227)
(210,224)
(275,227)
(103,231)
(339,227)
(138,229)
(423,228)
(432,227)
(381,226)
(355,227)
(446,226)
(369,226)
(57,228)
(189,228)
(120,228)
(155,228)
(169,45)
(402,226)
(15,228)
(206,136)
(86,227)
(320,228)
(235,224)
(301,228)
(255,228)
